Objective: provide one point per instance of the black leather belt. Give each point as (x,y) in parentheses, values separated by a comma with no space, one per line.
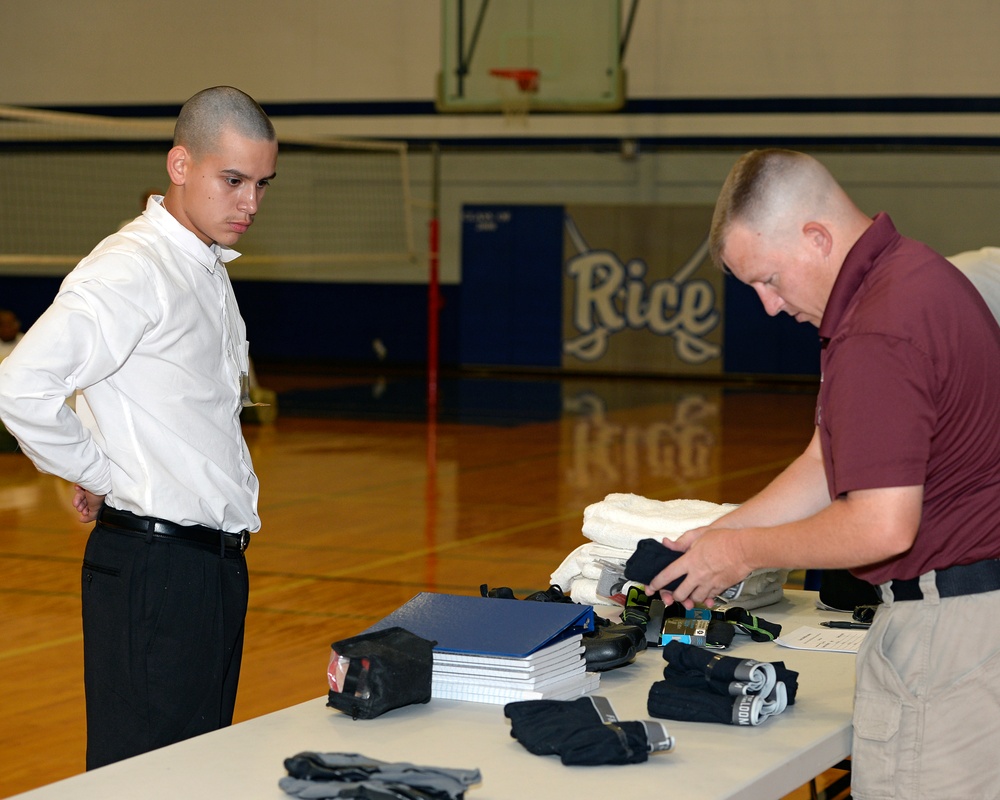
(197,535)
(982,576)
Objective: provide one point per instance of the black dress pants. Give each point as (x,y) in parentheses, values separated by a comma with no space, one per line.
(162,641)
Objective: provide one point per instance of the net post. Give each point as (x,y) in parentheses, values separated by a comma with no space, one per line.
(433,316)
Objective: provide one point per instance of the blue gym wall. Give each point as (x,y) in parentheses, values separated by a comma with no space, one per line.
(507,312)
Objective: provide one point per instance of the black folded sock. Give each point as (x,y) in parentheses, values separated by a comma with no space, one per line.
(542,726)
(649,560)
(758,629)
(584,731)
(697,682)
(712,665)
(719,671)
(667,701)
(610,743)
(789,677)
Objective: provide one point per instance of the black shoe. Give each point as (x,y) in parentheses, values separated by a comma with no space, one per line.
(635,634)
(554,594)
(612,644)
(503,592)
(606,649)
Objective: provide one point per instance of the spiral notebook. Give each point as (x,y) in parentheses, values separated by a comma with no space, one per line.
(491,650)
(566,689)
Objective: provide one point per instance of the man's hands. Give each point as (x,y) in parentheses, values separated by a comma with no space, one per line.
(867,526)
(712,562)
(87,503)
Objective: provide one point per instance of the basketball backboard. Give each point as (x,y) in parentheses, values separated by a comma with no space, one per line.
(543,55)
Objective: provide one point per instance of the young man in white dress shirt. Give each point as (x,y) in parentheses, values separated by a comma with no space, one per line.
(148,329)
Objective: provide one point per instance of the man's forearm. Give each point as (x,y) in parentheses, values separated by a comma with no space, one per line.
(52,436)
(864,527)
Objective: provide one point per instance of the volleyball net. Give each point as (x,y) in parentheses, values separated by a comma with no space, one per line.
(72,179)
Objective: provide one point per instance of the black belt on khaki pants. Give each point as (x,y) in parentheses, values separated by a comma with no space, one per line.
(982,576)
(153,528)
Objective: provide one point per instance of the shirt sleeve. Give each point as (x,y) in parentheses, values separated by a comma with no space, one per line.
(82,338)
(879,413)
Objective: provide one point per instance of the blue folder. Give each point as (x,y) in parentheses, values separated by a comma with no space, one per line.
(488,625)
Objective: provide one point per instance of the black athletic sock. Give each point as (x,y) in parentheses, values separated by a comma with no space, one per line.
(685,657)
(758,629)
(667,701)
(613,743)
(542,726)
(649,560)
(789,677)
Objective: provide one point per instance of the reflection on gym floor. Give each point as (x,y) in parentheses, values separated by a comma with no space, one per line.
(368,498)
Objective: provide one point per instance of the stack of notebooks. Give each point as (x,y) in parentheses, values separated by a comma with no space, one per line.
(491,650)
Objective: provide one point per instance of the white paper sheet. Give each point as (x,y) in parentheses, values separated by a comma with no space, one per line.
(833,640)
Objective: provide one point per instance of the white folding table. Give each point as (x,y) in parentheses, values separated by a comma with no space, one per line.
(709,760)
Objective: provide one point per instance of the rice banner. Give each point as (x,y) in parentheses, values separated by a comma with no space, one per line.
(640,293)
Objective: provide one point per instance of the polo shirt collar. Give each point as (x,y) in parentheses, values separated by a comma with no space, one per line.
(861,259)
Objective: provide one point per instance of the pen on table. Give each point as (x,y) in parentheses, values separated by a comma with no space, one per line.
(844,624)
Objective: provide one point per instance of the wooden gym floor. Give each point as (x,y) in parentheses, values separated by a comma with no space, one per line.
(366,501)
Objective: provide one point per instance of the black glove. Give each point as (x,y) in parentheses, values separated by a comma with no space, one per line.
(322,775)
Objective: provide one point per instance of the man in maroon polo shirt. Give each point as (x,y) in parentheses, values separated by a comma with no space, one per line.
(900,482)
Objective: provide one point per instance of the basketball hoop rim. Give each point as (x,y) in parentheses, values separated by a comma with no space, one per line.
(526,79)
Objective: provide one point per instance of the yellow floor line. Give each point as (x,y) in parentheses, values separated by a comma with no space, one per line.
(372,567)
(34,648)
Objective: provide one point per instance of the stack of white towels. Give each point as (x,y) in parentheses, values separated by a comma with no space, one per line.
(617,524)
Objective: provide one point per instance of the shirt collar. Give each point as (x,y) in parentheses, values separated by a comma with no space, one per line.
(860,260)
(207,256)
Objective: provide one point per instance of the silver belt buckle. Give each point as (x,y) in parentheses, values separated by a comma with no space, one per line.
(244,540)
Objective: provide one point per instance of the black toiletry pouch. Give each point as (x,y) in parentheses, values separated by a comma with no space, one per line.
(375,672)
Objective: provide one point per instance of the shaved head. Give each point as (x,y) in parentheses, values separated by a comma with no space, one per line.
(776,192)
(223,159)
(784,226)
(205,116)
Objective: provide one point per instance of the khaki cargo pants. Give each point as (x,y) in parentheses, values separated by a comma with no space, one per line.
(927,702)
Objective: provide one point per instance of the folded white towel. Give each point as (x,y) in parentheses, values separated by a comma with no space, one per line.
(585,562)
(619,518)
(765,597)
(584,591)
(759,582)
(617,534)
(618,523)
